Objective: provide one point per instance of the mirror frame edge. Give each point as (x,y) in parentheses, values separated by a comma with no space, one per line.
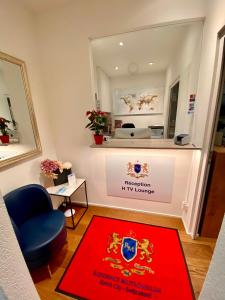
(29,102)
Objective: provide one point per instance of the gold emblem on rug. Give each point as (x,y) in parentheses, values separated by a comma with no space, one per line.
(114,244)
(129,249)
(145,253)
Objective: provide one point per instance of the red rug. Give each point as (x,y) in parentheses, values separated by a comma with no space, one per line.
(119,259)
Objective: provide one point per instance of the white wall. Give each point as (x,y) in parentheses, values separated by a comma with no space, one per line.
(104,90)
(15,279)
(215,20)
(213,288)
(96,160)
(185,68)
(206,102)
(4,107)
(16,92)
(142,81)
(65,47)
(17,39)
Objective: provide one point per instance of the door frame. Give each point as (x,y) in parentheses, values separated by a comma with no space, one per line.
(209,131)
(168,106)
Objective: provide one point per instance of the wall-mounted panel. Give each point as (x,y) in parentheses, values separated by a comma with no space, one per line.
(140,177)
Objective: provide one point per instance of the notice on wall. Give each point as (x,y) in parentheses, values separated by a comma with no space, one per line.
(191,106)
(140,177)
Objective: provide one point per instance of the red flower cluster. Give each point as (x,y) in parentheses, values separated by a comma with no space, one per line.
(97,112)
(4,126)
(97,120)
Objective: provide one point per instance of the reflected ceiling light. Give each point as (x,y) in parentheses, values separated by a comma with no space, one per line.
(150,63)
(116,68)
(121,44)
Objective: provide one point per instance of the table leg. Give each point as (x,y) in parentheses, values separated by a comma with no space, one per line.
(86,193)
(71,210)
(68,201)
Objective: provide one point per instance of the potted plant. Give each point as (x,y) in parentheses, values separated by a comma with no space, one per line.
(56,170)
(4,130)
(97,121)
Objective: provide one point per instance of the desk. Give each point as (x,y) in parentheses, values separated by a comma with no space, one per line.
(66,191)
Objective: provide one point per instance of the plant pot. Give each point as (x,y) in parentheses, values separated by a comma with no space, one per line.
(4,139)
(98,139)
(62,177)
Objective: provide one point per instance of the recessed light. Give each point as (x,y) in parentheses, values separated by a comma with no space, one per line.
(150,63)
(121,44)
(116,68)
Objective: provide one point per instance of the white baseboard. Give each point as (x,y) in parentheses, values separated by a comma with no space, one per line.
(138,210)
(135,210)
(186,230)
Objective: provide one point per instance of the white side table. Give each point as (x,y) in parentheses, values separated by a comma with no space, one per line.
(65,190)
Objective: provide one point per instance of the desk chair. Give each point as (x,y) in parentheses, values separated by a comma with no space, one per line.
(128,125)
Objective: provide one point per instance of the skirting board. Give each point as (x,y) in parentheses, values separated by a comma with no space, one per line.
(133,209)
(146,212)
(139,210)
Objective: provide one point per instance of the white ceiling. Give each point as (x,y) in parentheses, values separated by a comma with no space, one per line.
(39,6)
(158,45)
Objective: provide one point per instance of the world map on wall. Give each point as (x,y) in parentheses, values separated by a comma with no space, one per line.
(133,101)
(141,103)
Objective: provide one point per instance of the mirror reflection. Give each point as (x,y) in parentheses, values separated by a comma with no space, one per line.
(18,132)
(147,80)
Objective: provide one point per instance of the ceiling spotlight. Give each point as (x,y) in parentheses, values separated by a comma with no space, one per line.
(116,68)
(121,44)
(150,63)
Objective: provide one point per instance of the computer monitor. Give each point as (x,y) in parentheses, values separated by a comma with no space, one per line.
(132,133)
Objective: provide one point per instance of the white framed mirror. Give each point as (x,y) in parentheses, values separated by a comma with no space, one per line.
(148,78)
(16,108)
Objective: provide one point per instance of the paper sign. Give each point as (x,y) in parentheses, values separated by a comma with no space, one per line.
(71,179)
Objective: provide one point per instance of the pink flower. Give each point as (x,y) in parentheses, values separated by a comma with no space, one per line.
(49,166)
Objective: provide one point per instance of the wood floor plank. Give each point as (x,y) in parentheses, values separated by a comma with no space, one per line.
(198,252)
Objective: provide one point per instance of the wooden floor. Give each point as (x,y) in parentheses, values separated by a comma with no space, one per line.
(197,252)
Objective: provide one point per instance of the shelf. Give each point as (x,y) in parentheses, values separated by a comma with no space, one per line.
(144,144)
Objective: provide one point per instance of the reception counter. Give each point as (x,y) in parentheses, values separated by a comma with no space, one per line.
(144,144)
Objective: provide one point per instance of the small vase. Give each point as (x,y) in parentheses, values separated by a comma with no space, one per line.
(62,177)
(4,139)
(98,139)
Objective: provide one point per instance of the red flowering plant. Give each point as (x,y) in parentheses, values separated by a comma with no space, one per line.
(97,121)
(52,168)
(4,126)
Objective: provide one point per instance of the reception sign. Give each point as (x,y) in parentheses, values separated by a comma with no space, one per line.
(140,177)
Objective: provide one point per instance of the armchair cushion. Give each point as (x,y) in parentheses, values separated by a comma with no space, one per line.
(41,230)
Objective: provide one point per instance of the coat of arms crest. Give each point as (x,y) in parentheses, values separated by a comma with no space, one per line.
(137,170)
(130,249)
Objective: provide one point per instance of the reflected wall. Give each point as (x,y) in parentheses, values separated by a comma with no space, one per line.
(16,107)
(134,73)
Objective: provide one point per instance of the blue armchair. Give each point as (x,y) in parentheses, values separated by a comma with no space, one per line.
(40,230)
